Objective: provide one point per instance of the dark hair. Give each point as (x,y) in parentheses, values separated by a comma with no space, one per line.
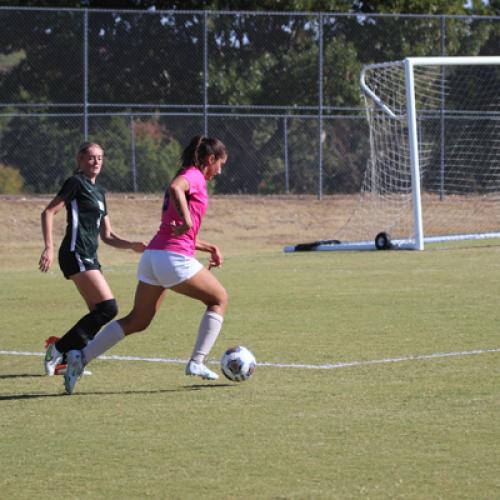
(199,148)
(84,147)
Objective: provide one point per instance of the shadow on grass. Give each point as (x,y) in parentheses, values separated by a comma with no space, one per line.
(14,397)
(19,397)
(22,375)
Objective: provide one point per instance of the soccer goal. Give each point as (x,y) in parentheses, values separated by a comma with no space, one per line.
(434,167)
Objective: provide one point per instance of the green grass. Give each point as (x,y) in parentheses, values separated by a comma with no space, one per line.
(424,428)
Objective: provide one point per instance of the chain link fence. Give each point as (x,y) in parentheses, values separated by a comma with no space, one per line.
(281,90)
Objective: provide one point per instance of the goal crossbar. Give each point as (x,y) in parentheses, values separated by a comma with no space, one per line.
(420,61)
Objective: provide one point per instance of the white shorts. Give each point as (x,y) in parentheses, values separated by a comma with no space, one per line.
(166,269)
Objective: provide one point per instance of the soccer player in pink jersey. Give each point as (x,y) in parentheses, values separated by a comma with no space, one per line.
(169,263)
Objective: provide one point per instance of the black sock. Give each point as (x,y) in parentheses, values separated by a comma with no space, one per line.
(88,326)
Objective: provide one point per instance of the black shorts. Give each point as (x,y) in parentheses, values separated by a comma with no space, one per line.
(72,263)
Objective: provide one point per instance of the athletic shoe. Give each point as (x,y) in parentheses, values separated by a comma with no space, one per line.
(74,370)
(200,370)
(53,357)
(61,370)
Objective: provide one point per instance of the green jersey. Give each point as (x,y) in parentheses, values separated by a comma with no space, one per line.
(85,206)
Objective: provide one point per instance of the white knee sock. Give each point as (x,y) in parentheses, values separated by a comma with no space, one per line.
(111,334)
(209,329)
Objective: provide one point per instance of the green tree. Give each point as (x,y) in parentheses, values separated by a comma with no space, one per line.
(156,60)
(11,181)
(42,149)
(158,155)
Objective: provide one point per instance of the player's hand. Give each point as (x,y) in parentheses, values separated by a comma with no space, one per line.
(216,259)
(46,260)
(138,246)
(179,229)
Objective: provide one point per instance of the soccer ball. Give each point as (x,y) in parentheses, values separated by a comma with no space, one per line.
(238,364)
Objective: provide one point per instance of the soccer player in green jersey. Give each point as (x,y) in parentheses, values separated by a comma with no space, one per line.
(87,219)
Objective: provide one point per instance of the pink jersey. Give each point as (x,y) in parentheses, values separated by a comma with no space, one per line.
(197,198)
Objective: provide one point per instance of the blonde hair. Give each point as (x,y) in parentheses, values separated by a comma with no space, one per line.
(84,147)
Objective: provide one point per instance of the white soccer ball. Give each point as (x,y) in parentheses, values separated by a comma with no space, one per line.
(238,364)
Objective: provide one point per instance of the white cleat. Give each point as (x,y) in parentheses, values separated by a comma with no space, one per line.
(200,370)
(52,359)
(74,370)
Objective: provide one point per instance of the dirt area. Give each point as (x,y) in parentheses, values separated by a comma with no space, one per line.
(238,224)
(246,225)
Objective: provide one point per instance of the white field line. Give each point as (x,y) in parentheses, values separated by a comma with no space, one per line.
(341,364)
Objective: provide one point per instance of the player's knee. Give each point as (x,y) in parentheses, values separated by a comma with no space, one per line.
(135,322)
(224,298)
(220,301)
(89,325)
(140,325)
(106,310)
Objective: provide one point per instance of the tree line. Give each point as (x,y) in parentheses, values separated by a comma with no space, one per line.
(263,78)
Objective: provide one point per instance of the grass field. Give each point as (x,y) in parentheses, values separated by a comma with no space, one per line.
(378,377)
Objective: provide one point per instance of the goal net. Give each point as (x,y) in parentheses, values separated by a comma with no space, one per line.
(434,167)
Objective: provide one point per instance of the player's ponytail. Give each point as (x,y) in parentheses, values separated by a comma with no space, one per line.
(199,148)
(189,156)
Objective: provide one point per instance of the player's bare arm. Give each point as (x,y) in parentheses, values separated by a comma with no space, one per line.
(178,189)
(216,258)
(109,237)
(47,257)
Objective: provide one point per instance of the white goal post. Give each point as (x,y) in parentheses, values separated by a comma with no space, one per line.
(434,167)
